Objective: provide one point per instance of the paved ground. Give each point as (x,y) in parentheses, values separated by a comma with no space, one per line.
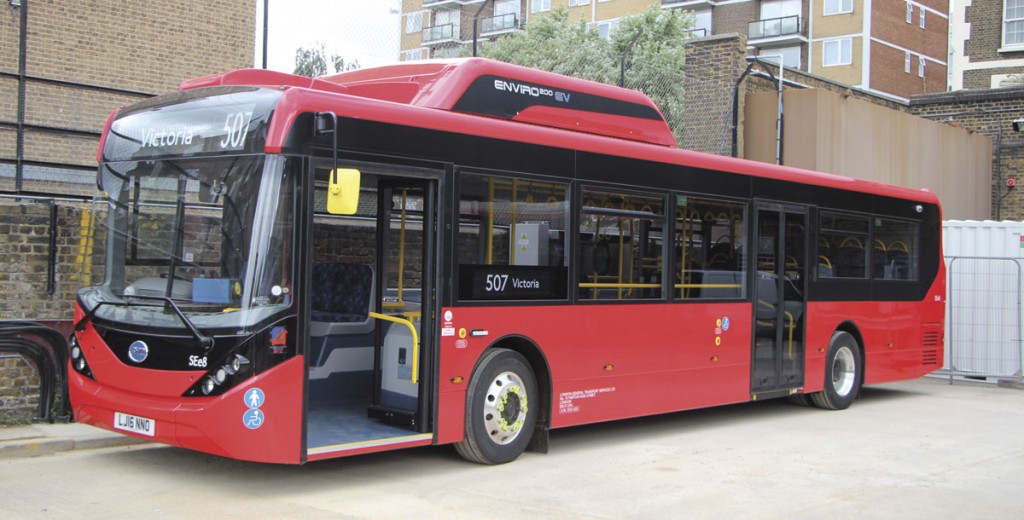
(919,449)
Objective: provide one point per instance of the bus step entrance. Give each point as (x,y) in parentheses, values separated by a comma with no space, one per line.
(393,416)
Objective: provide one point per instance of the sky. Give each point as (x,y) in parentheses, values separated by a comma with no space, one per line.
(362,30)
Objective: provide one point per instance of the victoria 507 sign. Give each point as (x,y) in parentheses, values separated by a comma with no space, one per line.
(511,282)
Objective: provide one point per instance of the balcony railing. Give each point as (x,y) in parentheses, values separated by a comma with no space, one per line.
(504,22)
(695,33)
(435,3)
(688,3)
(439,32)
(774,27)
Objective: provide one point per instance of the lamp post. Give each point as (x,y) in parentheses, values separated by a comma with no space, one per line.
(266,8)
(476,22)
(622,59)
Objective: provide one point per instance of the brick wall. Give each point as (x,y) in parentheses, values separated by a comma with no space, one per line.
(24,279)
(986,19)
(889,23)
(19,390)
(24,260)
(986,38)
(84,59)
(713,65)
(989,112)
(734,17)
(888,72)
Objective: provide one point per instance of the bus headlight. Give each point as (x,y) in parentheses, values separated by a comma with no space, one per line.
(235,364)
(234,369)
(77,356)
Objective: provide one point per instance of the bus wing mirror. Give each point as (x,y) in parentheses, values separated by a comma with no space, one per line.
(343,192)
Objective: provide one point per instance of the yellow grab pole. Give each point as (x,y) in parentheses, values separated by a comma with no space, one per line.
(415,340)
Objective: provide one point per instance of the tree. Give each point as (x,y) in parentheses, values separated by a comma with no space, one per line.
(649,46)
(555,44)
(656,63)
(313,62)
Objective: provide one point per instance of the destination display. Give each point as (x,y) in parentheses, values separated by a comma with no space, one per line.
(512,282)
(190,123)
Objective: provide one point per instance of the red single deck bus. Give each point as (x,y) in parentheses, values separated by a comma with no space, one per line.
(471,252)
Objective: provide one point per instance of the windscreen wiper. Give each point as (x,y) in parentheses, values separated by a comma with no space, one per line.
(205,342)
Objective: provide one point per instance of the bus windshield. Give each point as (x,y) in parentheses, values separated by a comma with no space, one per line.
(213,236)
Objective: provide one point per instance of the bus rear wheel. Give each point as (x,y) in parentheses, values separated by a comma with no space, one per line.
(842,373)
(501,409)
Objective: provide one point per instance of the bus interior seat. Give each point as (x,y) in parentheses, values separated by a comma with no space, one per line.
(824,267)
(850,261)
(899,260)
(880,261)
(340,303)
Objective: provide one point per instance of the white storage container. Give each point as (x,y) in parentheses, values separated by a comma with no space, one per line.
(984,264)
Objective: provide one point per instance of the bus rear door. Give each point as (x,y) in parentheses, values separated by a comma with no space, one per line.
(777,366)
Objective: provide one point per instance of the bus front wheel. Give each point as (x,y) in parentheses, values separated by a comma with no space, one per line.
(842,373)
(501,408)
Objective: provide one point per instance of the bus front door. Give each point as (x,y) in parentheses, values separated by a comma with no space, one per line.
(370,306)
(777,366)
(405,238)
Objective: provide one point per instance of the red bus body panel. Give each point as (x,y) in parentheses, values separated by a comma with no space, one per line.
(608,361)
(209,424)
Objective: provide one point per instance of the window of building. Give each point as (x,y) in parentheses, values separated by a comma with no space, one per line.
(414,54)
(922,17)
(1013,23)
(906,62)
(512,239)
(621,239)
(573,3)
(414,22)
(837,52)
(920,66)
(843,246)
(910,12)
(838,7)
(771,9)
(606,28)
(709,249)
(790,55)
(702,21)
(537,6)
(503,7)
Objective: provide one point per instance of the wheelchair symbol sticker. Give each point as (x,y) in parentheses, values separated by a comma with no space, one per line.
(253,418)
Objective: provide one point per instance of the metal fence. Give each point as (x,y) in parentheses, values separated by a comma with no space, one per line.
(983,318)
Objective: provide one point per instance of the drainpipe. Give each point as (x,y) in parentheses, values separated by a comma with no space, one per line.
(778,117)
(19,168)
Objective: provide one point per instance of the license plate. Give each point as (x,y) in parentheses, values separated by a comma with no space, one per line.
(134,423)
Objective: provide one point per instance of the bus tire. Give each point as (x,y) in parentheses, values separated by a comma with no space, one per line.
(501,408)
(842,373)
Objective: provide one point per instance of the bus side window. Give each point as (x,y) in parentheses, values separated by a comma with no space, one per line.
(620,246)
(512,238)
(709,249)
(843,246)
(896,247)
